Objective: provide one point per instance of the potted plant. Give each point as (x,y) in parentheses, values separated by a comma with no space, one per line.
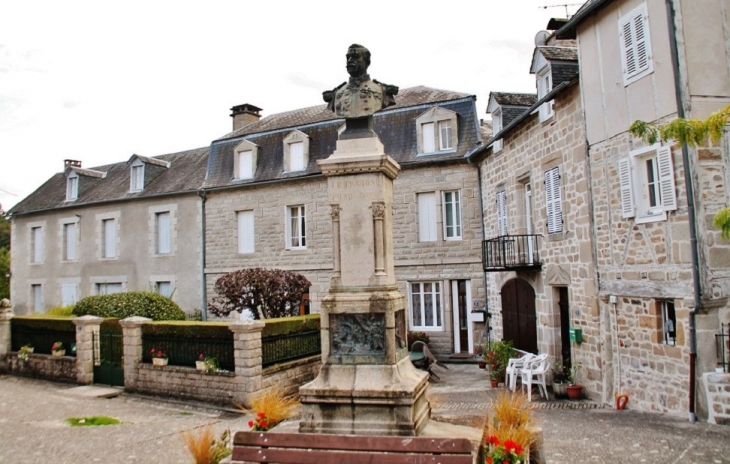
(159,357)
(562,377)
(497,359)
(25,350)
(210,364)
(479,352)
(575,390)
(200,363)
(57,349)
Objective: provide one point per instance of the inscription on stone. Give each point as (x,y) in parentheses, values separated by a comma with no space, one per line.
(357,334)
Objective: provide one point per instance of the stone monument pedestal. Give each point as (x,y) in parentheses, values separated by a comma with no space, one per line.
(367,384)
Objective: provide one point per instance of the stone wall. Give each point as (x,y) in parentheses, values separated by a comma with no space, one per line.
(42,366)
(292,375)
(717,391)
(185,383)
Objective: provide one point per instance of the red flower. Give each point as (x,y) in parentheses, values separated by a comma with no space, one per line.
(250,423)
(264,424)
(505,462)
(489,460)
(512,446)
(261,415)
(493,440)
(201,357)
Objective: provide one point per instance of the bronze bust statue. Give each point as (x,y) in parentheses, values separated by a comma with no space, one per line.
(361,96)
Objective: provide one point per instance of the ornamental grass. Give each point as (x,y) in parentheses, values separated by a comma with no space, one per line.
(272,406)
(510,422)
(204,447)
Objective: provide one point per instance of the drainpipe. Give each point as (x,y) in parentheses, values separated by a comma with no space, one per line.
(690,212)
(487,332)
(203,289)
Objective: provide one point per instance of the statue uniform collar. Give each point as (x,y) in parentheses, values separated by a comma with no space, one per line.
(358,81)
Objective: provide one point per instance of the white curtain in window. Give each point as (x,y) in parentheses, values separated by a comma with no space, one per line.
(452,215)
(164,289)
(297,229)
(245,232)
(427,217)
(446,140)
(296,156)
(429,138)
(245,164)
(68,294)
(163,233)
(109,288)
(426,305)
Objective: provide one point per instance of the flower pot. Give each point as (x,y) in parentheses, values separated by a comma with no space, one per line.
(159,361)
(200,365)
(58,353)
(30,350)
(574,391)
(494,383)
(560,389)
(482,365)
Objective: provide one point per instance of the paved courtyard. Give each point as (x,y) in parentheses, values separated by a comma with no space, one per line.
(32,427)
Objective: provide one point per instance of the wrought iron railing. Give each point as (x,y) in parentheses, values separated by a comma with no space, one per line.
(511,252)
(42,339)
(281,348)
(722,342)
(185,351)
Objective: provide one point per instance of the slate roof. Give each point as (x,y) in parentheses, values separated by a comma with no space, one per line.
(395,127)
(514,99)
(559,53)
(185,174)
(568,31)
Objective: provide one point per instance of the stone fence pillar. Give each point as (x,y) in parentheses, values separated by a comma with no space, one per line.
(6,313)
(132,330)
(248,359)
(87,343)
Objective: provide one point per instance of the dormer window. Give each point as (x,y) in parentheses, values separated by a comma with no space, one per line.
(437,131)
(296,152)
(496,128)
(244,160)
(72,187)
(136,179)
(544,86)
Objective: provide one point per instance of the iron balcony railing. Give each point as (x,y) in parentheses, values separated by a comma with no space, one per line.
(722,341)
(511,252)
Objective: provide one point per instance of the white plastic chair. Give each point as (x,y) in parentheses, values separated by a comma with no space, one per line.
(535,372)
(514,366)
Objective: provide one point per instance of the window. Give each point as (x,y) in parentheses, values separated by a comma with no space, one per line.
(36,294)
(164,288)
(36,244)
(296,151)
(496,127)
(162,224)
(108,288)
(635,42)
(69,294)
(427,217)
(501,213)
(669,322)
(72,187)
(295,227)
(429,139)
(646,179)
(245,232)
(544,86)
(245,164)
(553,196)
(452,215)
(446,139)
(437,130)
(109,238)
(69,242)
(136,178)
(426,306)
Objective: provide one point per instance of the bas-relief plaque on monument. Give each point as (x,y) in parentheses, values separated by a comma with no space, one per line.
(349,187)
(357,334)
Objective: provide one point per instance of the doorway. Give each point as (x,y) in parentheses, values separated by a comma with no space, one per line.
(564,306)
(460,298)
(519,320)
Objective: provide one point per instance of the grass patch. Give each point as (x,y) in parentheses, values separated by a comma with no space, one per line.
(185,413)
(93,420)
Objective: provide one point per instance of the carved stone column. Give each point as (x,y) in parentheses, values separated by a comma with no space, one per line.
(336,251)
(378,210)
(87,344)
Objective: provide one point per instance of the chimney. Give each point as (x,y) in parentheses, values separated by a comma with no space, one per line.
(71,163)
(245,114)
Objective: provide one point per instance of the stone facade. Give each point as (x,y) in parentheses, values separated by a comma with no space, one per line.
(44,366)
(717,391)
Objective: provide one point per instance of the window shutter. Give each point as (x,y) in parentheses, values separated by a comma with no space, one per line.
(245,164)
(68,294)
(554,204)
(666,178)
(501,213)
(245,232)
(296,156)
(496,127)
(426,217)
(70,242)
(110,239)
(163,233)
(627,194)
(429,138)
(635,43)
(37,244)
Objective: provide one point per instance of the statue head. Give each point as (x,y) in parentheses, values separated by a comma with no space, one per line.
(358,60)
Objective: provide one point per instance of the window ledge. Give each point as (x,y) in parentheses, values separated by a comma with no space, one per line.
(440,152)
(556,237)
(426,329)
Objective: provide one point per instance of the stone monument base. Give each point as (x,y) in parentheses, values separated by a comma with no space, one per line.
(366,399)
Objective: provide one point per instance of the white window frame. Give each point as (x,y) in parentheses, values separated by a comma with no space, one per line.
(72,187)
(109,234)
(296,154)
(634,184)
(36,295)
(302,152)
(496,127)
(136,176)
(669,322)
(446,135)
(427,217)
(163,232)
(102,288)
(544,86)
(635,43)
(436,296)
(554,200)
(70,241)
(429,137)
(245,164)
(453,217)
(296,239)
(437,131)
(164,288)
(246,232)
(502,228)
(36,244)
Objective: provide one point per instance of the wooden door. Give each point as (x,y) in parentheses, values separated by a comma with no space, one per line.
(519,321)
(463,310)
(564,325)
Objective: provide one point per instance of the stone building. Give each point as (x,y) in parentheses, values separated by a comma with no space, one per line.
(267,205)
(122,227)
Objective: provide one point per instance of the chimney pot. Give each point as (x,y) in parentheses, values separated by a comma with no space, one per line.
(245,114)
(71,163)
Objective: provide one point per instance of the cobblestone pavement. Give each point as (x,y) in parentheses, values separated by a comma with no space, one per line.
(32,427)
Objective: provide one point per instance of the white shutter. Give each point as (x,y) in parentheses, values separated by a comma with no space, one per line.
(429,138)
(666,178)
(245,232)
(37,233)
(110,238)
(496,127)
(426,217)
(635,44)
(70,241)
(37,297)
(502,213)
(245,164)
(296,156)
(553,196)
(627,193)
(68,294)
(163,233)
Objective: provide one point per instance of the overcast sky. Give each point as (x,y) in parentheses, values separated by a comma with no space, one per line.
(99,81)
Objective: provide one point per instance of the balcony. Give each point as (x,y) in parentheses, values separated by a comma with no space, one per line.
(511,253)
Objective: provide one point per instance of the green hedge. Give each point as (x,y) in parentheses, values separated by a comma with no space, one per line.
(128,304)
(287,325)
(188,329)
(60,324)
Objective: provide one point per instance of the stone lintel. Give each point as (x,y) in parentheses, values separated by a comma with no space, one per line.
(356,164)
(88,320)
(134,321)
(247,326)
